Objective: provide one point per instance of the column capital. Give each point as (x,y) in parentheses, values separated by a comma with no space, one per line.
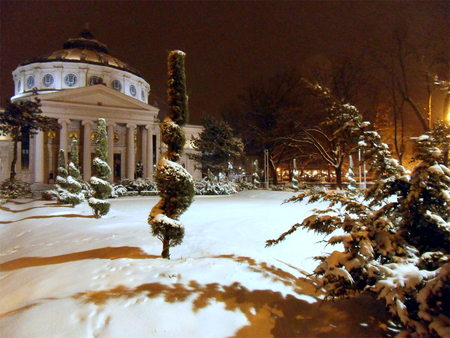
(85,122)
(111,124)
(149,126)
(61,121)
(131,125)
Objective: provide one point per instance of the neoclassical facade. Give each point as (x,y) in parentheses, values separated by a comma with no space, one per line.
(77,85)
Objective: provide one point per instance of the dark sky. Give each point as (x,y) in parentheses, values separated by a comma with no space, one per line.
(228,44)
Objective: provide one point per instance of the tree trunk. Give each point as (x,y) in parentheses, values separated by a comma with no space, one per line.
(165,251)
(12,175)
(339,177)
(274,176)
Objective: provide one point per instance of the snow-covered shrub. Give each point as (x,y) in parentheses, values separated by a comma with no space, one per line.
(50,195)
(211,185)
(148,193)
(395,238)
(118,190)
(175,184)
(14,189)
(87,190)
(244,185)
(102,188)
(278,187)
(139,184)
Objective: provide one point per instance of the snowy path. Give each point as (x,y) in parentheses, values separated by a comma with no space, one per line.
(81,277)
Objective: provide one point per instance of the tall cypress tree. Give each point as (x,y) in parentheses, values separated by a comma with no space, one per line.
(175,184)
(100,206)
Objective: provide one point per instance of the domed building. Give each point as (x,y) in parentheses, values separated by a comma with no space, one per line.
(77,85)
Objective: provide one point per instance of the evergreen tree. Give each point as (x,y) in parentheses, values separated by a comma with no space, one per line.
(61,175)
(397,240)
(19,121)
(102,188)
(74,186)
(175,184)
(68,187)
(217,145)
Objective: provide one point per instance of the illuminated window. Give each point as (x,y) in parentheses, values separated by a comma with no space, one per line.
(133,90)
(47,80)
(117,85)
(30,82)
(70,80)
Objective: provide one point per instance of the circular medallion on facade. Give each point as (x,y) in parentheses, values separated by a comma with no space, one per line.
(117,85)
(116,137)
(47,80)
(30,81)
(51,134)
(73,135)
(133,90)
(94,136)
(70,80)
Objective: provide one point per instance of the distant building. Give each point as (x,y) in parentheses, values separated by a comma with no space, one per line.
(77,85)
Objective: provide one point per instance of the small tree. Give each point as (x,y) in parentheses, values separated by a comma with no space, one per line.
(175,184)
(61,177)
(334,137)
(217,145)
(100,206)
(20,120)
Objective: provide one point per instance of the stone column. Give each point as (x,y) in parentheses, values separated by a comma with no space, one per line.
(39,158)
(144,151)
(64,137)
(130,151)
(149,155)
(87,149)
(110,127)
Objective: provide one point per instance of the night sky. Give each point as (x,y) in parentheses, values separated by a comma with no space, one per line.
(229,44)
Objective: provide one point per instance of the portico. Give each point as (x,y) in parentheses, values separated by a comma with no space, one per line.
(132,126)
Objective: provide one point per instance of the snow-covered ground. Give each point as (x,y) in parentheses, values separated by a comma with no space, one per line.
(66,274)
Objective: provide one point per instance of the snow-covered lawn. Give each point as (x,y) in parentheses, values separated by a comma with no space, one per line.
(65,274)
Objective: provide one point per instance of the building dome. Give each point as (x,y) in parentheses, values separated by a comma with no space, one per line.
(82,62)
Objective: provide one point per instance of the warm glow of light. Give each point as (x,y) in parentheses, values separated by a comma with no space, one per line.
(278,169)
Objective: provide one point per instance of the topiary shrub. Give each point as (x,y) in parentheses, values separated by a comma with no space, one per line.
(175,184)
